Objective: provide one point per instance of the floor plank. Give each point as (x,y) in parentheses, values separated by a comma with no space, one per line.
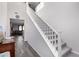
(23,49)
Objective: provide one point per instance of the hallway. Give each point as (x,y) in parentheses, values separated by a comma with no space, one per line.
(23,49)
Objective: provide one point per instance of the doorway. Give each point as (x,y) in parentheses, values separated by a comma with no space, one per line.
(17,27)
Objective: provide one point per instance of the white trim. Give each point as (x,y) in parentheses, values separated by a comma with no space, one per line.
(55,53)
(40,6)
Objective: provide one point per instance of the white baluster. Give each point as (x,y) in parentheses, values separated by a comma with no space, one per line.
(59,44)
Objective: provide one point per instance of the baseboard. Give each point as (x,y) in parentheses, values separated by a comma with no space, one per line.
(32,50)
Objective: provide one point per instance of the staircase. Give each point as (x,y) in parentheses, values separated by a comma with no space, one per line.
(52,38)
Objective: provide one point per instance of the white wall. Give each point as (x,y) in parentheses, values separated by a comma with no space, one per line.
(63,17)
(3,16)
(34,38)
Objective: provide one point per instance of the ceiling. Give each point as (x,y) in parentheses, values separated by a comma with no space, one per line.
(33,5)
(17,21)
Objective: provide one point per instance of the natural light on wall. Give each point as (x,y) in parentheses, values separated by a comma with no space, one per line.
(40,6)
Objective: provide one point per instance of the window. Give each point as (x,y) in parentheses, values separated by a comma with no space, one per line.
(23,27)
(20,28)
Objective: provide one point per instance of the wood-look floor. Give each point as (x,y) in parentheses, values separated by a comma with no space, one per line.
(23,49)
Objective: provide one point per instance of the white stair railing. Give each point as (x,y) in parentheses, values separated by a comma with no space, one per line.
(50,35)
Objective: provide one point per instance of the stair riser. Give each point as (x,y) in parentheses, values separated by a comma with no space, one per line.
(69,51)
(63,45)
